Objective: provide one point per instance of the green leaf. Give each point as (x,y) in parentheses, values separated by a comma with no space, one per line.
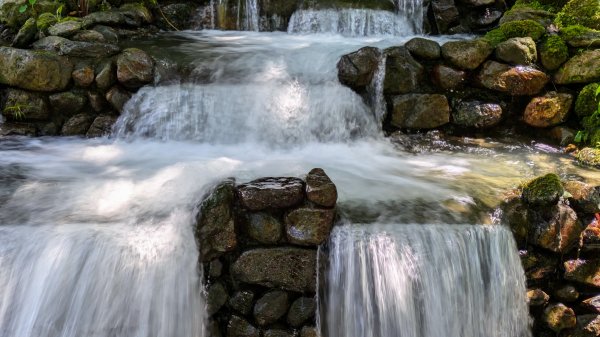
(578,137)
(32,2)
(22,9)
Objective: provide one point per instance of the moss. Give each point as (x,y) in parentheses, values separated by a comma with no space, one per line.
(589,156)
(555,47)
(580,12)
(522,28)
(543,191)
(495,37)
(595,138)
(586,103)
(45,20)
(534,4)
(571,32)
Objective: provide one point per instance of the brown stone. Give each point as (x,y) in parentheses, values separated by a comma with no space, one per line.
(77,125)
(566,293)
(135,68)
(320,189)
(590,237)
(309,226)
(420,111)
(592,304)
(356,69)
(517,81)
(271,193)
(403,74)
(559,317)
(448,78)
(271,307)
(309,331)
(548,110)
(83,77)
(117,97)
(587,326)
(556,228)
(584,197)
(101,126)
(239,327)
(583,271)
(467,54)
(537,297)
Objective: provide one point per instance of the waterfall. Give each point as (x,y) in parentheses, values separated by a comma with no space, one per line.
(375,91)
(423,281)
(251,16)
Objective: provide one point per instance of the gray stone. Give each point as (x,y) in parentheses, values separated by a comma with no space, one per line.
(216,298)
(109,33)
(566,293)
(135,68)
(556,229)
(445,14)
(90,36)
(320,189)
(65,28)
(448,78)
(291,269)
(67,103)
(582,68)
(34,70)
(517,81)
(420,111)
(177,14)
(106,75)
(26,34)
(403,73)
(271,307)
(264,228)
(468,54)
(309,226)
(271,193)
(517,50)
(239,327)
(97,101)
(77,125)
(110,18)
(241,302)
(117,97)
(475,114)
(356,69)
(66,47)
(138,11)
(25,105)
(424,48)
(102,126)
(548,110)
(215,268)
(488,17)
(583,271)
(17,129)
(301,310)
(559,317)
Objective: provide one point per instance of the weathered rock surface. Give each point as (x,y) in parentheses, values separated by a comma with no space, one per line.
(582,68)
(424,48)
(216,298)
(587,326)
(241,301)
(25,105)
(110,18)
(309,331)
(468,54)
(264,228)
(271,193)
(402,72)
(271,307)
(90,36)
(34,70)
(101,126)
(239,327)
(590,237)
(135,68)
(517,81)
(475,114)
(65,29)
(309,226)
(105,74)
(420,111)
(320,189)
(559,317)
(557,229)
(446,14)
(583,271)
(67,103)
(583,197)
(537,297)
(588,39)
(543,191)
(589,156)
(26,35)
(517,50)
(70,48)
(77,125)
(592,304)
(356,69)
(83,76)
(548,110)
(542,17)
(117,97)
(566,293)
(448,78)
(301,310)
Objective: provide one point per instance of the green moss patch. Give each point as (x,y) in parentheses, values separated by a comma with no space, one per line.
(587,103)
(495,37)
(580,12)
(543,191)
(522,28)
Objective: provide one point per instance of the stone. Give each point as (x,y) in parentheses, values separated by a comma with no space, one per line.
(582,68)
(556,229)
(26,35)
(97,101)
(264,228)
(590,237)
(445,14)
(291,269)
(77,125)
(65,29)
(467,54)
(277,333)
(83,77)
(548,110)
(177,14)
(213,329)
(79,49)
(403,73)
(587,103)
(538,267)
(542,17)
(583,197)
(589,157)
(110,18)
(420,111)
(90,36)
(537,298)
(592,304)
(562,135)
(583,271)
(138,11)
(566,293)
(102,126)
(216,298)
(517,81)
(309,331)
(309,226)
(117,97)
(11,15)
(553,52)
(135,68)
(271,307)
(516,214)
(301,310)
(25,105)
(517,50)
(424,48)
(18,129)
(488,17)
(67,103)
(475,114)
(215,227)
(239,327)
(106,75)
(587,326)
(241,302)
(559,317)
(215,268)
(109,33)
(586,39)
(448,78)
(271,193)
(356,69)
(34,70)
(543,191)
(477,3)
(320,189)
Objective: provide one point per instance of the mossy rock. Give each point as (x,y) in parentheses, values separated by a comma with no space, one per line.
(580,12)
(10,15)
(45,21)
(587,103)
(589,156)
(579,36)
(543,17)
(495,37)
(522,28)
(553,52)
(543,191)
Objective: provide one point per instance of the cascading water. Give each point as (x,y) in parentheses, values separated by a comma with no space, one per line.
(423,281)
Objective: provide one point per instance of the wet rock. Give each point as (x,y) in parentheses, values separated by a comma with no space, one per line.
(583,271)
(309,331)
(239,327)
(176,14)
(65,28)
(403,73)
(553,52)
(356,69)
(264,228)
(216,298)
(241,302)
(476,3)
(110,18)
(445,14)
(67,103)
(309,226)
(301,311)
(213,329)
(26,34)
(277,333)
(542,17)
(420,111)
(215,228)
(475,114)
(271,307)
(566,293)
(271,193)
(582,68)
(548,110)
(590,237)
(537,297)
(291,269)
(488,17)
(215,268)
(517,50)
(589,157)
(106,74)
(517,81)
(90,36)
(448,78)
(468,54)
(587,326)
(583,197)
(424,48)
(562,135)
(559,317)
(83,77)
(320,189)
(70,48)
(17,129)
(135,68)
(25,105)
(77,125)
(516,215)
(102,126)
(117,97)
(556,229)
(109,33)
(592,304)
(538,267)
(137,11)
(97,101)
(34,70)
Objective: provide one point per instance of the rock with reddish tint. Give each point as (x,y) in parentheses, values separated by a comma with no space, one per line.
(583,271)
(84,76)
(556,229)
(566,293)
(320,189)
(117,97)
(448,78)
(590,237)
(102,126)
(559,317)
(548,110)
(592,304)
(78,125)
(537,297)
(215,228)
(583,197)
(587,326)
(135,68)
(106,74)
(403,74)
(309,226)
(538,267)
(271,307)
(239,327)
(467,54)
(516,81)
(356,69)
(420,111)
(475,114)
(271,193)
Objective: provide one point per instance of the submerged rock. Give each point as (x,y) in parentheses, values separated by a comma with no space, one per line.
(271,307)
(548,110)
(271,193)
(468,54)
(356,69)
(420,111)
(517,81)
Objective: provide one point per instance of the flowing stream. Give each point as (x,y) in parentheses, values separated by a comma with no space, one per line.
(96,237)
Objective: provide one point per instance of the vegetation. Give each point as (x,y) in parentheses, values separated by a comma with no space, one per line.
(543,190)
(495,37)
(570,32)
(555,47)
(522,28)
(535,4)
(580,12)
(591,123)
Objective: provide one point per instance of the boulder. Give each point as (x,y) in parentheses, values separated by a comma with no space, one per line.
(106,74)
(542,17)
(13,17)
(79,49)
(583,197)
(67,103)
(590,237)
(117,97)
(309,331)
(110,18)
(467,54)
(592,304)
(548,110)
(215,228)
(97,101)
(77,125)
(403,73)
(543,191)
(488,17)
(582,68)
(566,293)
(102,126)
(135,68)
(271,193)
(539,268)
(215,268)
(34,70)
(589,157)
(559,317)
(176,14)
(556,229)
(216,298)
(420,111)
(537,298)
(309,226)
(138,11)
(271,307)
(448,78)
(83,77)
(26,35)
(517,81)
(516,214)
(241,302)
(25,105)
(264,228)
(553,52)
(278,333)
(356,69)
(475,114)
(424,48)
(583,271)
(586,39)
(587,326)
(587,103)
(320,189)
(109,33)
(517,50)
(90,36)
(579,12)
(301,311)
(65,28)
(562,135)
(477,3)
(445,14)
(18,129)
(239,327)
(291,269)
